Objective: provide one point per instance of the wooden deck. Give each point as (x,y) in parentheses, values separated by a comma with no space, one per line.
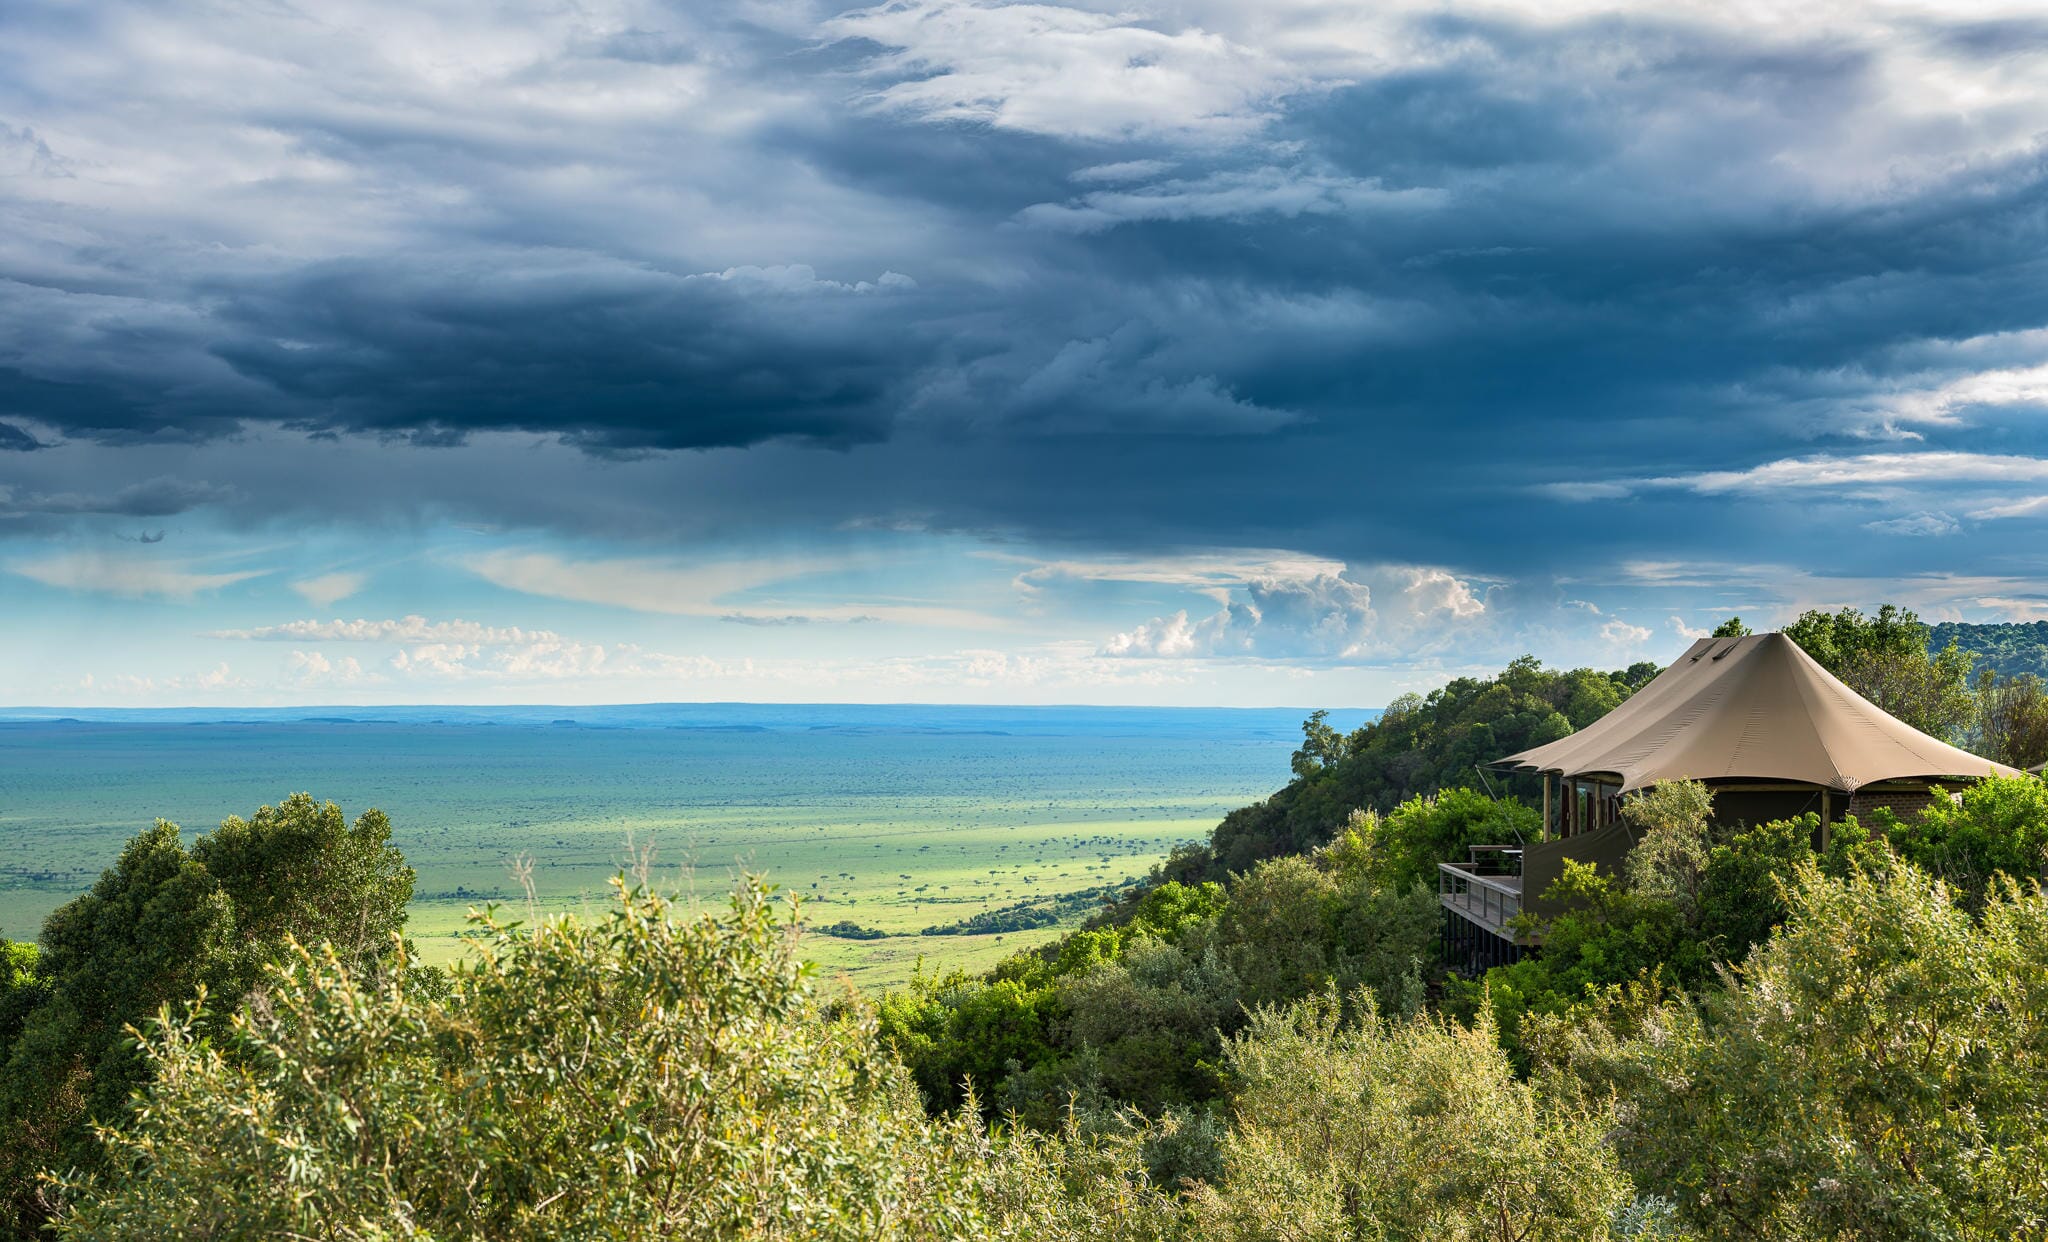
(1489,901)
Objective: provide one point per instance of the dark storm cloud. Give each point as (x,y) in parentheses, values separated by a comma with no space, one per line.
(613,359)
(1189,286)
(92,410)
(160,497)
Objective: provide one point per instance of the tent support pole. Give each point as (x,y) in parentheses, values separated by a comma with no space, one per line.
(1546,808)
(1825,831)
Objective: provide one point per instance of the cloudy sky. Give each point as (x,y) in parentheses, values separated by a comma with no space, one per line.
(1181,352)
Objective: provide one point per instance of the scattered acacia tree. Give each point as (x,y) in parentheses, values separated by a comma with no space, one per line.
(159,926)
(1405,1130)
(1876,1070)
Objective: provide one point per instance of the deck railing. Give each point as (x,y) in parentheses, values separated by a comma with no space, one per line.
(1486,890)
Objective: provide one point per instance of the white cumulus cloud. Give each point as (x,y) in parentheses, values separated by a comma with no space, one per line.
(1321,616)
(315,668)
(1687,632)
(1622,636)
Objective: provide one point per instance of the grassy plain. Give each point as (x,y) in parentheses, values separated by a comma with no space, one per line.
(895,819)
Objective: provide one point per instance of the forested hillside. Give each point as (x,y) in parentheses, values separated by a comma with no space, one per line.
(1419,745)
(2010,648)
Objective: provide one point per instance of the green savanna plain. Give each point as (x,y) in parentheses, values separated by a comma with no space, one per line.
(896,819)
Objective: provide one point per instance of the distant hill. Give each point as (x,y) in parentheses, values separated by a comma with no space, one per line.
(2011,648)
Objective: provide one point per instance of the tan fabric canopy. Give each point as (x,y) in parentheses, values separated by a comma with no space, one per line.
(1756,708)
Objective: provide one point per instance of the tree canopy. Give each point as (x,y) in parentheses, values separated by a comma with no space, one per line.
(161,925)
(1885,658)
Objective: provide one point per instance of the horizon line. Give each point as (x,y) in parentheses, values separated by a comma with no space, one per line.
(12,712)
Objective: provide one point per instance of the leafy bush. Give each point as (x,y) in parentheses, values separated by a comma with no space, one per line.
(1993,826)
(635,1076)
(1670,857)
(1605,935)
(1404,1130)
(1401,849)
(1295,927)
(1874,1071)
(959,1033)
(1152,1019)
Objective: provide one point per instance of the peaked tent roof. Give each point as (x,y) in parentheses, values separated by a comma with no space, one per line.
(1758,708)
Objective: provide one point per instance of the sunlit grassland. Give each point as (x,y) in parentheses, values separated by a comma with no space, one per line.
(898,876)
(895,829)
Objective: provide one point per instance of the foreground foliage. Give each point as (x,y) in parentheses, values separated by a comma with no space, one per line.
(645,1075)
(160,925)
(1408,1130)
(1878,1070)
(580,1077)
(636,1076)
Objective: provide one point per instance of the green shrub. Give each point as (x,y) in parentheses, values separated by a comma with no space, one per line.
(1876,1070)
(1153,1019)
(1670,856)
(1404,1130)
(1402,848)
(1993,826)
(634,1076)
(1604,935)
(956,1030)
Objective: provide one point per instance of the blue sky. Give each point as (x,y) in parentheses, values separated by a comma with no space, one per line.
(1189,352)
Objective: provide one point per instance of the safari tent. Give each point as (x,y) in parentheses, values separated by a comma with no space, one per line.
(1756,719)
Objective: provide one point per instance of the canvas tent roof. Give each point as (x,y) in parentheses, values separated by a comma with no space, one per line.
(1757,708)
